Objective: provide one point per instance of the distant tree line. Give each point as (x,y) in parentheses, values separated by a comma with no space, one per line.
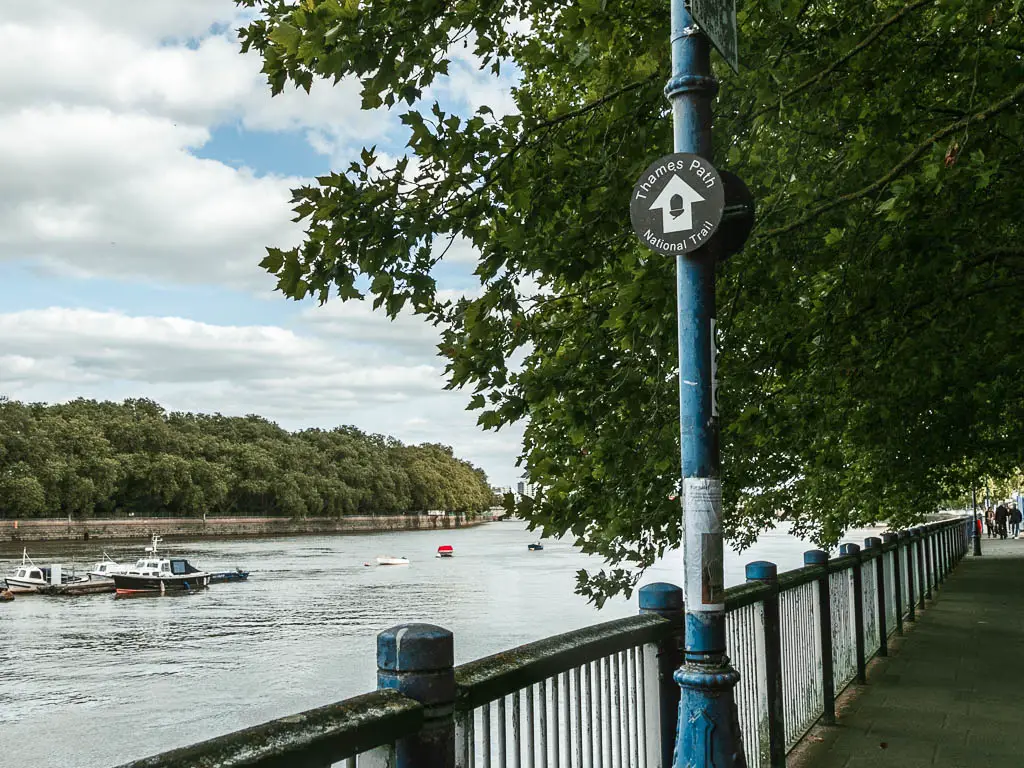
(88,458)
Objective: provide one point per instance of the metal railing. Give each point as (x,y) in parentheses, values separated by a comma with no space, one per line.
(604,696)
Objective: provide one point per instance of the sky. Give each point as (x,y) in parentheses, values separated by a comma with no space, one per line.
(144,168)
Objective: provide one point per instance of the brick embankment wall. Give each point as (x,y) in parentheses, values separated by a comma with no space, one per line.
(189,527)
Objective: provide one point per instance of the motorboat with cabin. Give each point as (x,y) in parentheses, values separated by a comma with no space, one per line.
(157,574)
(29,577)
(446,550)
(107,567)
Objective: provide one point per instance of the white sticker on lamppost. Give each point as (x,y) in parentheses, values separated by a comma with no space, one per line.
(677,204)
(703,549)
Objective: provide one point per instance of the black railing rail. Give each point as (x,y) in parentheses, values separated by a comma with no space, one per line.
(604,695)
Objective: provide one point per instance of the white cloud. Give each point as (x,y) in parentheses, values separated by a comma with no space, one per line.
(153,20)
(357,323)
(78,61)
(121,195)
(98,134)
(297,378)
(457,250)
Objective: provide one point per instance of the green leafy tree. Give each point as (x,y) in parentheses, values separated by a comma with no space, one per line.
(869,346)
(85,457)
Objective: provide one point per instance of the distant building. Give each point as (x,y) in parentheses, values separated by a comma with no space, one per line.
(528,490)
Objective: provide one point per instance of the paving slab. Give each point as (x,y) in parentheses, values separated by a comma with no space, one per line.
(952,692)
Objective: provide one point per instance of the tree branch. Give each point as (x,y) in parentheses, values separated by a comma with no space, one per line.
(862,45)
(909,160)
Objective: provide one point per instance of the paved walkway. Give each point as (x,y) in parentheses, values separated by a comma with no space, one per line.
(952,693)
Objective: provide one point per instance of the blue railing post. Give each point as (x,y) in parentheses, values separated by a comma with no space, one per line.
(940,553)
(853,550)
(767,573)
(708,731)
(908,538)
(942,540)
(919,546)
(418,660)
(874,545)
(950,548)
(666,600)
(897,579)
(929,560)
(818,558)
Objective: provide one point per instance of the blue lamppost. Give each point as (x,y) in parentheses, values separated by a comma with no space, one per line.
(683,207)
(708,728)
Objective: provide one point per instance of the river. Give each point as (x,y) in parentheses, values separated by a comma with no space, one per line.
(95,681)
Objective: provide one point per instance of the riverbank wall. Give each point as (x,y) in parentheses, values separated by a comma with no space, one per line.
(192,527)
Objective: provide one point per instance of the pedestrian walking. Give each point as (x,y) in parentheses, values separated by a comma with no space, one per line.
(1015,518)
(1002,513)
(990,522)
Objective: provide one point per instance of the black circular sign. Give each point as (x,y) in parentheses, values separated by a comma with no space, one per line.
(677,204)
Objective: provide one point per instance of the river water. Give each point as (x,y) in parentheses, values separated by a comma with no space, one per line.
(96,681)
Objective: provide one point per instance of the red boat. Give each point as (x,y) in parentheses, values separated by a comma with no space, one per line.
(445,550)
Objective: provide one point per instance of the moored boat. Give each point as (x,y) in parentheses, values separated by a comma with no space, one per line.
(107,567)
(385,560)
(156,574)
(445,550)
(29,577)
(535,547)
(236,575)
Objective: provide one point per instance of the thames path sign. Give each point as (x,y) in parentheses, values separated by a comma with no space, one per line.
(677,204)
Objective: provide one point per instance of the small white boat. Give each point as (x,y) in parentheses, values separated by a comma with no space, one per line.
(383,560)
(107,567)
(29,577)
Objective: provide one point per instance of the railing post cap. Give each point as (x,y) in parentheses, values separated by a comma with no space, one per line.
(815,557)
(415,648)
(871,542)
(888,538)
(903,534)
(762,570)
(849,549)
(661,596)
(917,532)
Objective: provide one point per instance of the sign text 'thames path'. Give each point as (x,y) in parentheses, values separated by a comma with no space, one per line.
(677,204)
